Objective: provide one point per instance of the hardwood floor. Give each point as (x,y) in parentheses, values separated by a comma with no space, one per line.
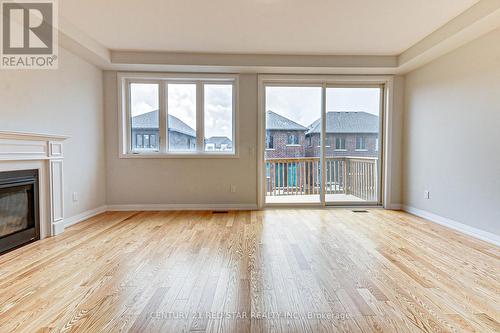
(280,270)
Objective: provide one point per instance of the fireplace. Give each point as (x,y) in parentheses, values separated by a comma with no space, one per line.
(19,208)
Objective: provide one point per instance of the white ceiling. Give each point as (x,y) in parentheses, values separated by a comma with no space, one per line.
(374,27)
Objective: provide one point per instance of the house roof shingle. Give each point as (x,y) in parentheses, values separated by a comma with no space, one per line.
(150,120)
(347,122)
(277,122)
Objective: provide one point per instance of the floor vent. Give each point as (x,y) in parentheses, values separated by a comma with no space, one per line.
(360,211)
(220,212)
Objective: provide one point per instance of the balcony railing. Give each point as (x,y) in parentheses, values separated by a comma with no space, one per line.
(355,176)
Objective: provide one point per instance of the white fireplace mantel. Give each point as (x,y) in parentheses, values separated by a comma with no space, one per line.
(44,152)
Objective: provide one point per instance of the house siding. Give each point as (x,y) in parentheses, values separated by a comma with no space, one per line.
(181,141)
(177,141)
(313,150)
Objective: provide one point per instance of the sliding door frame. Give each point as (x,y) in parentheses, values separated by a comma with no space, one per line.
(380,154)
(386,82)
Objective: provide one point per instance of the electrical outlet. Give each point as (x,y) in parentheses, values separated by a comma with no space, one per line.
(75,196)
(233,188)
(427,195)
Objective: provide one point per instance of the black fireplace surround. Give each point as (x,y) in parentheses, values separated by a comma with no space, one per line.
(19,211)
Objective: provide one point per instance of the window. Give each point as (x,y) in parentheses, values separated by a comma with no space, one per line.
(138,141)
(293,139)
(218,115)
(146,141)
(144,111)
(340,143)
(309,141)
(376,144)
(179,115)
(269,141)
(328,141)
(181,110)
(360,143)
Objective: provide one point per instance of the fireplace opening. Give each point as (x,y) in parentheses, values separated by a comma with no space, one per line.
(19,211)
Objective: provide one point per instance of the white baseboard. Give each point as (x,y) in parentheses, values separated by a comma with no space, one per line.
(84,216)
(58,228)
(150,207)
(463,228)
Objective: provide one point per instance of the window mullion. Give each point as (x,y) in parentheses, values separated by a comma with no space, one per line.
(156,142)
(128,121)
(163,139)
(200,117)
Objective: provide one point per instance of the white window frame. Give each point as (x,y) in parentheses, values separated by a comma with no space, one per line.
(363,141)
(342,139)
(266,142)
(294,136)
(324,81)
(210,147)
(124,80)
(328,141)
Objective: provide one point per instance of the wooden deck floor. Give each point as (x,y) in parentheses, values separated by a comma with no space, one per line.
(293,199)
(283,270)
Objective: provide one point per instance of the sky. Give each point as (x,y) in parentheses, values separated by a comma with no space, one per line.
(144,97)
(303,104)
(218,110)
(182,104)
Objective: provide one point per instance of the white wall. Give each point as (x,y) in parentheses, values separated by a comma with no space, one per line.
(397,144)
(69,101)
(178,181)
(452,135)
(183,181)
(66,101)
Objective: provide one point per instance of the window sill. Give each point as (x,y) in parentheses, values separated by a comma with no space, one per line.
(294,145)
(340,149)
(180,155)
(270,149)
(361,149)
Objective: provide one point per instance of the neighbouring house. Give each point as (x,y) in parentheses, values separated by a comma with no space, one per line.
(145,133)
(218,143)
(181,137)
(347,134)
(284,137)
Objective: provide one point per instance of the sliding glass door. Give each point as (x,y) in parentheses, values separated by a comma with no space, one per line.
(352,149)
(292,158)
(322,144)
